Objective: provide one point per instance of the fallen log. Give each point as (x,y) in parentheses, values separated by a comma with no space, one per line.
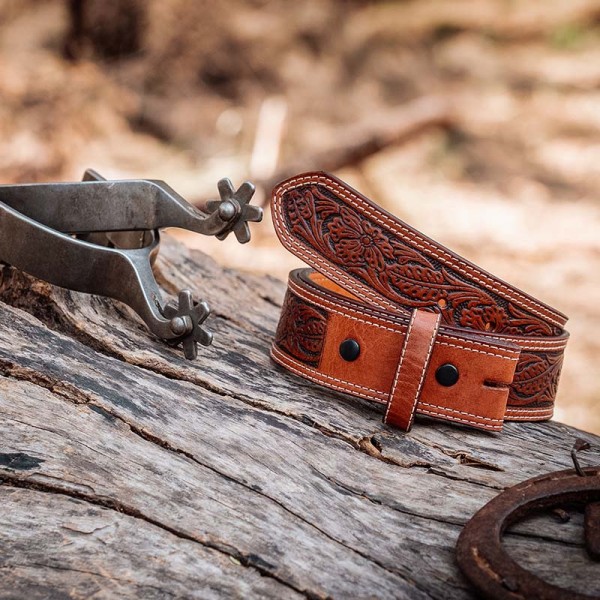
(127,471)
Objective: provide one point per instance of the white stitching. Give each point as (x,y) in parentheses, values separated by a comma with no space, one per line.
(460,412)
(529,344)
(532,411)
(448,336)
(467,349)
(529,418)
(316,300)
(288,362)
(307,295)
(373,312)
(379,396)
(559,341)
(433,334)
(331,273)
(419,242)
(468,421)
(391,400)
(310,297)
(321,301)
(282,358)
(525,343)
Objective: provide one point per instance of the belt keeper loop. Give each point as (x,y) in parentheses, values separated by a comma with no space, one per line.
(412,367)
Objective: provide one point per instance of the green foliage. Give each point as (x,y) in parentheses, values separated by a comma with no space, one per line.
(569,36)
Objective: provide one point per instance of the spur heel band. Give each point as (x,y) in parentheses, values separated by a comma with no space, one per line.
(102,237)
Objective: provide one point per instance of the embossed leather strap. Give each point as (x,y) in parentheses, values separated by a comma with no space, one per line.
(413,310)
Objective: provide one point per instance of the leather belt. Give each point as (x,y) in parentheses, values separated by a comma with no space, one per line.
(390,315)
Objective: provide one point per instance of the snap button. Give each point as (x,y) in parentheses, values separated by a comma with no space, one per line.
(349,350)
(446,375)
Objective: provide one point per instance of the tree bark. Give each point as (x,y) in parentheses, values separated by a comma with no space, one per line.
(127,471)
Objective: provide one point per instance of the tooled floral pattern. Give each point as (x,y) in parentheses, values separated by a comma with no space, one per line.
(301,330)
(536,379)
(358,242)
(301,334)
(485,318)
(397,270)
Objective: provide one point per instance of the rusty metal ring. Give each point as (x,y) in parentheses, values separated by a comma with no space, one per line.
(479,550)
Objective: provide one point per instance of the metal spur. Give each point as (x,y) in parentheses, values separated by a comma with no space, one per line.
(102,237)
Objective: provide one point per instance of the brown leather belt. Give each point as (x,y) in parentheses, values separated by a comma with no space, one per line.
(392,316)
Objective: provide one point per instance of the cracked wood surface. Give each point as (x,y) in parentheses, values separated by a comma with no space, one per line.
(126,471)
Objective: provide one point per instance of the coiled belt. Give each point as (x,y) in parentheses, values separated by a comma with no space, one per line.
(390,315)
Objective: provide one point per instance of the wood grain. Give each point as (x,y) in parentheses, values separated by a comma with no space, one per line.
(127,471)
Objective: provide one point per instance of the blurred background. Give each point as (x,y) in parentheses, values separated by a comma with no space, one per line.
(476,121)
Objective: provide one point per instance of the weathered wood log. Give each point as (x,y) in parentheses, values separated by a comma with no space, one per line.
(127,471)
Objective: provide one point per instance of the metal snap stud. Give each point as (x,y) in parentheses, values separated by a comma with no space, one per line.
(446,375)
(349,350)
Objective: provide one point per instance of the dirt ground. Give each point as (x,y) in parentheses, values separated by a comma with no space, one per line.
(476,121)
